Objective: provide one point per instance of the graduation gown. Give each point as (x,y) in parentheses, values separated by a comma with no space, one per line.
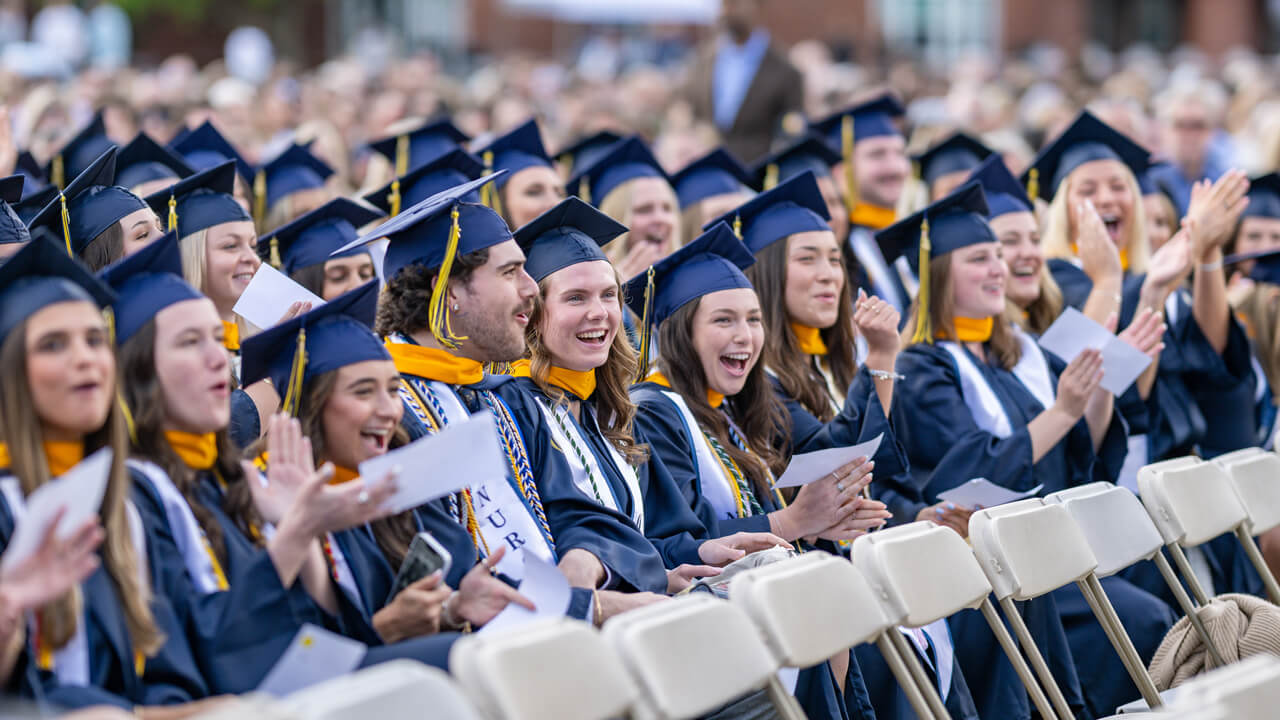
(874,275)
(676,478)
(170,676)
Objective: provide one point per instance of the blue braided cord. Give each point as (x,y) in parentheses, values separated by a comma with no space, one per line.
(513,442)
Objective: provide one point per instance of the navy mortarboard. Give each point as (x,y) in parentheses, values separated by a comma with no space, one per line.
(1003,191)
(954,222)
(408,150)
(88,205)
(312,238)
(80,151)
(12,229)
(716,173)
(200,201)
(808,154)
(42,274)
(1087,139)
(454,167)
(145,283)
(1264,197)
(581,153)
(957,154)
(795,206)
(144,160)
(572,232)
(205,147)
(625,160)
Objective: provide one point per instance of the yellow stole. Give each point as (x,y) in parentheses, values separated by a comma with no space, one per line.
(198,452)
(1124,256)
(435,364)
(971,329)
(581,384)
(61,456)
(872,216)
(713,398)
(231,336)
(340,474)
(810,339)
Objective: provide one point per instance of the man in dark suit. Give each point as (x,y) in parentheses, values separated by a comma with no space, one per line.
(742,84)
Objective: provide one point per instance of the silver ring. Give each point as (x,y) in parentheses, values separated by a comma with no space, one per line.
(839,486)
(363,497)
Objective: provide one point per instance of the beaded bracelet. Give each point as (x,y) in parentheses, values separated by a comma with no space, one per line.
(885,375)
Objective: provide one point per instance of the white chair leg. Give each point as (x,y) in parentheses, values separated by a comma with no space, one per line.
(1188,574)
(1034,690)
(1259,564)
(1037,660)
(1189,608)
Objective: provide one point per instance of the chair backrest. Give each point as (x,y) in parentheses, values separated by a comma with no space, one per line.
(809,607)
(553,669)
(258,706)
(1113,520)
(690,655)
(395,690)
(921,572)
(1028,548)
(1191,501)
(1255,475)
(1248,690)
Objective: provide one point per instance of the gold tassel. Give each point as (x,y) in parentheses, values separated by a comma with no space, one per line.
(737,226)
(486,192)
(564,165)
(402,155)
(293,389)
(173,213)
(847,140)
(438,310)
(274,253)
(259,198)
(1033,184)
(66,223)
(924,328)
(57,172)
(771,176)
(645,330)
(393,197)
(110,317)
(584,191)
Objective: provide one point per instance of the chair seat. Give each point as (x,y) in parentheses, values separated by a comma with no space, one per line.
(1255,475)
(396,690)
(1028,548)
(1113,521)
(1190,501)
(921,572)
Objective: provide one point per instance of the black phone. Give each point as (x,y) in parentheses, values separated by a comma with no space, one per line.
(426,555)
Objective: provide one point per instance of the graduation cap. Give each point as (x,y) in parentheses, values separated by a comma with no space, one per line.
(31,205)
(583,152)
(716,173)
(1264,197)
(808,154)
(205,147)
(1087,139)
(626,160)
(959,152)
(451,169)
(88,205)
(145,283)
(517,150)
(80,151)
(795,206)
(200,201)
(27,167)
(713,261)
(954,222)
(144,160)
(433,233)
(1003,191)
(312,238)
(572,232)
(329,337)
(843,129)
(41,274)
(291,171)
(12,229)
(429,141)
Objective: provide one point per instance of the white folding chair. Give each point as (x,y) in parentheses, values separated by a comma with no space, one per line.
(554,669)
(253,705)
(1191,503)
(924,572)
(1254,474)
(693,654)
(815,605)
(1120,534)
(395,690)
(1030,548)
(1247,690)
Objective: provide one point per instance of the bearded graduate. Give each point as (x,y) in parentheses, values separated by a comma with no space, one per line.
(457,297)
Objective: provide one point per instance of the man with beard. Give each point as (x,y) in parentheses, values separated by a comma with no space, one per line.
(458,299)
(871,175)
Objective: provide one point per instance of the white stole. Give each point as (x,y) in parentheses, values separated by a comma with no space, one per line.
(567,433)
(715,485)
(869,256)
(984,405)
(186,530)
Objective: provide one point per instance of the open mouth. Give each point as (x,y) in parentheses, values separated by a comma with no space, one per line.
(376,440)
(1112,223)
(220,388)
(1025,270)
(85,388)
(825,297)
(735,363)
(594,338)
(653,239)
(993,288)
(522,318)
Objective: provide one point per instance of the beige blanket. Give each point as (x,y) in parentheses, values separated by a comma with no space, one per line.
(1240,626)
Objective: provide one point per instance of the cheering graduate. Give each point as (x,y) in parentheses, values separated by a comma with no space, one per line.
(580,369)
(946,165)
(146,167)
(872,175)
(457,297)
(712,422)
(303,248)
(104,222)
(293,185)
(107,641)
(348,407)
(808,154)
(1159,207)
(451,169)
(708,187)
(629,185)
(205,148)
(13,232)
(531,186)
(1253,293)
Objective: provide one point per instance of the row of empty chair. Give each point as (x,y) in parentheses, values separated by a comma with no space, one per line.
(687,657)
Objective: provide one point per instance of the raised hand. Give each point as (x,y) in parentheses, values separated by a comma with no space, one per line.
(1099,256)
(1146,333)
(56,566)
(1168,266)
(877,322)
(639,257)
(1077,383)
(1216,208)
